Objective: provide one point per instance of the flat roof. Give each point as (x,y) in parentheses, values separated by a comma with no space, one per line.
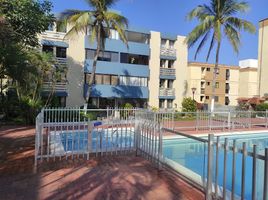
(205,64)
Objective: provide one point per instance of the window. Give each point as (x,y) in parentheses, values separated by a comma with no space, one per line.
(208,69)
(208,83)
(163,43)
(98,79)
(201,98)
(114,35)
(161,103)
(227,101)
(137,37)
(203,70)
(104,56)
(207,97)
(217,85)
(163,63)
(171,63)
(134,59)
(162,83)
(133,81)
(47,49)
(216,99)
(103,79)
(169,103)
(227,74)
(61,52)
(106,79)
(170,84)
(171,44)
(114,80)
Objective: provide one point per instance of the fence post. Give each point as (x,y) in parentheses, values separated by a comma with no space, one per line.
(266,117)
(173,122)
(210,167)
(265,184)
(229,120)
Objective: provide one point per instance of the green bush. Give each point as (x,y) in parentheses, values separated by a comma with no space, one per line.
(188,105)
(262,107)
(128,106)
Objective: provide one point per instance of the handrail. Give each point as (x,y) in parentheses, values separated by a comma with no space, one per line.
(185,135)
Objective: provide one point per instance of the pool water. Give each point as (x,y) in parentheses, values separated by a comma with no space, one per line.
(192,155)
(105,139)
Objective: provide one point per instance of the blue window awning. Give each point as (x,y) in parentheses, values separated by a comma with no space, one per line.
(54,43)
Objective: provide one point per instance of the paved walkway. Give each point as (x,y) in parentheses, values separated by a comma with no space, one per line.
(111,178)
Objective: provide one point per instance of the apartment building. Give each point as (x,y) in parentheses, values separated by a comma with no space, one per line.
(123,75)
(200,77)
(53,41)
(248,78)
(263,58)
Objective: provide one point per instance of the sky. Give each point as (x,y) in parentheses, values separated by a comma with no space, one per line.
(169,16)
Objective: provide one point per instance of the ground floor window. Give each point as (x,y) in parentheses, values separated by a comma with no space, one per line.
(161,103)
(169,103)
(97,102)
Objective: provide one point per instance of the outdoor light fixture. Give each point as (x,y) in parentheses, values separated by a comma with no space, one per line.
(193,91)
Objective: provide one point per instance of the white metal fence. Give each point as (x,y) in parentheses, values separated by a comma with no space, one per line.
(63,133)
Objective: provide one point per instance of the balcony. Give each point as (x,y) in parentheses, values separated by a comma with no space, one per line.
(61,61)
(168,52)
(53,35)
(60,87)
(167,73)
(167,93)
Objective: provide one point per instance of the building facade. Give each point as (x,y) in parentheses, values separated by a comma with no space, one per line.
(248,78)
(200,77)
(123,74)
(263,58)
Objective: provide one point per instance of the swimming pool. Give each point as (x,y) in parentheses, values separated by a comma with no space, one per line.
(190,158)
(62,142)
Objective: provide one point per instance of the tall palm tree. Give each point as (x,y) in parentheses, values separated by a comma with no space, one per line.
(216,20)
(100,20)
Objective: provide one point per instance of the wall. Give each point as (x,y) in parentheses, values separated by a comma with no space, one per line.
(154,65)
(263,57)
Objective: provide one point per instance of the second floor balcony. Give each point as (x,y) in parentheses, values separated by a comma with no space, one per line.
(167,72)
(53,35)
(54,87)
(169,52)
(167,92)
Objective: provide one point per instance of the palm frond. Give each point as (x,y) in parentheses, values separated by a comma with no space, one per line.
(241,24)
(233,36)
(202,43)
(199,31)
(212,43)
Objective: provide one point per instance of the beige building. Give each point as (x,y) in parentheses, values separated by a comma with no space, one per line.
(248,78)
(168,71)
(263,58)
(200,77)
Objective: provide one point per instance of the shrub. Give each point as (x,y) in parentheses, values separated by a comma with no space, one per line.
(128,106)
(189,105)
(262,107)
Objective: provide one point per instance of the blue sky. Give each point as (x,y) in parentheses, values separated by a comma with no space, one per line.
(169,16)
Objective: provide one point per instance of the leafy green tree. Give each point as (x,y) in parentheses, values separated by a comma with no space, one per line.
(262,107)
(27,18)
(100,20)
(188,105)
(216,20)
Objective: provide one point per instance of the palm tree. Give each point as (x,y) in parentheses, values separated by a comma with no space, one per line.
(100,20)
(216,20)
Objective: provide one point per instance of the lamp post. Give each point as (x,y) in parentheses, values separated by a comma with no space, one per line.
(193,91)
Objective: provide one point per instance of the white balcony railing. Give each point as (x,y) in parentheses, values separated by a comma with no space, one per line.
(167,92)
(164,51)
(53,35)
(56,87)
(62,61)
(167,72)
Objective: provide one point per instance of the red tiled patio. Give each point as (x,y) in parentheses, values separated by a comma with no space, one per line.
(120,177)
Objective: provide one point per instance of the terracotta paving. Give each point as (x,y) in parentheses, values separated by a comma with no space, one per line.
(111,178)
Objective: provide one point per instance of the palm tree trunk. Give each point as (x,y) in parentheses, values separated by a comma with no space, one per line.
(93,73)
(216,69)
